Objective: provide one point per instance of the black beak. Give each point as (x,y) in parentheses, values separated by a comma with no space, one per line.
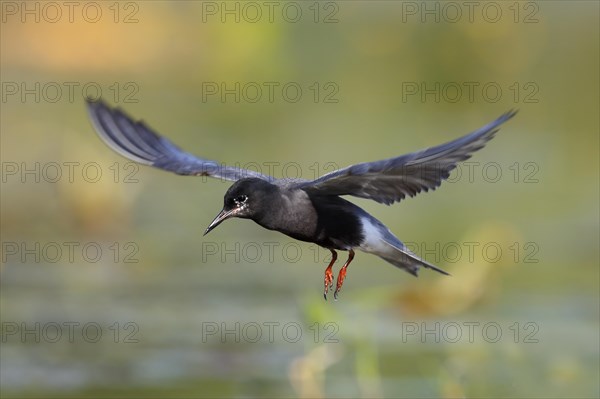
(220,217)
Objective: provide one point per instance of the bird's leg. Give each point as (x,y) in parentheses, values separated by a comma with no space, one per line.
(342,274)
(329,273)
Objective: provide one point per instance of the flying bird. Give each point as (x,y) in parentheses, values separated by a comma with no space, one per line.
(307,210)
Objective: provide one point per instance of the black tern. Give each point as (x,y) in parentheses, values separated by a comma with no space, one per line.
(307,210)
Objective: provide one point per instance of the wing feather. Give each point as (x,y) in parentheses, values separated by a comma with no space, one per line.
(391,180)
(138,142)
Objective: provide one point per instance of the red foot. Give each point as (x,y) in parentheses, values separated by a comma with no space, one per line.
(342,274)
(329,273)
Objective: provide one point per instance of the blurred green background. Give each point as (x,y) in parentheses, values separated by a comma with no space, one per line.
(522,322)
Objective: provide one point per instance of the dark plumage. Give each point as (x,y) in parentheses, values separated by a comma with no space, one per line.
(310,211)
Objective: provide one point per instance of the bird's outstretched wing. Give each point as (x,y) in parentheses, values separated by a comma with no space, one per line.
(136,141)
(391,180)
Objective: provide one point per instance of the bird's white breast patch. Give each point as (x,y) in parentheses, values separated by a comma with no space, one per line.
(374,238)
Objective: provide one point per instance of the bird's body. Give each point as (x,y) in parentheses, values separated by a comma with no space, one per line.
(310,211)
(328,221)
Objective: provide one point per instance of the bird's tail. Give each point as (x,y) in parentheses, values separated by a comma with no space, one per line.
(403,258)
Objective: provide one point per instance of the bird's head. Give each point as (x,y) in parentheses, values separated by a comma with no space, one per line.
(247,199)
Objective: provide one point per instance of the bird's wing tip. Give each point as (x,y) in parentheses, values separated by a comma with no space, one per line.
(89,100)
(94,105)
(510,113)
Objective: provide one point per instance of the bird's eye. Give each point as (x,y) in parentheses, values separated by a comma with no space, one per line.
(241,199)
